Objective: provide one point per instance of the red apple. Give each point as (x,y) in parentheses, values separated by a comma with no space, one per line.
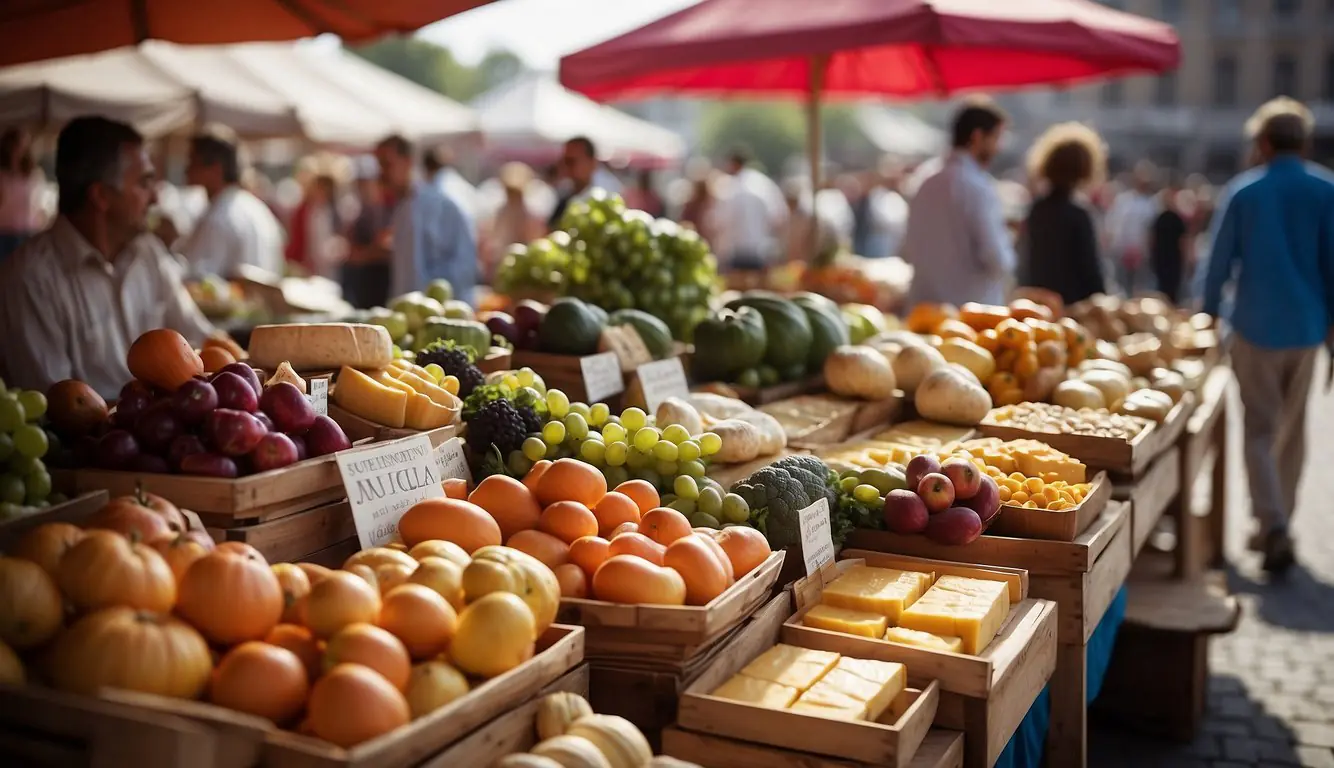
(157,427)
(182,446)
(265,421)
(275,450)
(233,433)
(235,392)
(937,492)
(955,526)
(135,398)
(301,451)
(919,467)
(986,502)
(117,449)
(209,465)
(194,400)
(905,512)
(147,462)
(325,437)
(288,407)
(246,373)
(964,475)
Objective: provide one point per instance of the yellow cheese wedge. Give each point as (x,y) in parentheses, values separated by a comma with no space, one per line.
(984,588)
(1039,465)
(758,692)
(370,399)
(424,414)
(846,620)
(423,384)
(389,380)
(923,640)
(875,695)
(791,666)
(829,701)
(952,610)
(885,591)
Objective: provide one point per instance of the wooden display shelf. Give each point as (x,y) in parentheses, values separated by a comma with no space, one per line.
(1151,496)
(728,475)
(496,359)
(357,428)
(1201,532)
(71,511)
(940,749)
(847,417)
(762,395)
(1172,427)
(297,536)
(1126,457)
(1054,524)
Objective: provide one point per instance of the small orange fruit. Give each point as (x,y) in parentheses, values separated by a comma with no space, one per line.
(571,480)
(420,618)
(547,548)
(614,509)
(642,491)
(588,552)
(455,488)
(573,581)
(568,520)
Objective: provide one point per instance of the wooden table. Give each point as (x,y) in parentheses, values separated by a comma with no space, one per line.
(1200,532)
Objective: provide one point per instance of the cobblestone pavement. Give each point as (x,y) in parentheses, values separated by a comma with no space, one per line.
(1271,684)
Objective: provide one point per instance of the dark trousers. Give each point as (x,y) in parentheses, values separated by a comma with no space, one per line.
(366,285)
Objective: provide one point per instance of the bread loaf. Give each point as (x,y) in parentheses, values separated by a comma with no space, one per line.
(321,346)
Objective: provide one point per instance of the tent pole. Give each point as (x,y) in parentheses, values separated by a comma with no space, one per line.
(818,64)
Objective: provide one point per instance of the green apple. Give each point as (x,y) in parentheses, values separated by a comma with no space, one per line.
(440,290)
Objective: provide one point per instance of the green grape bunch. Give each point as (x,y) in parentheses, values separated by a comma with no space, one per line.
(25,483)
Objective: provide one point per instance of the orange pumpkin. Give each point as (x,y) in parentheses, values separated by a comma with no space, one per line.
(571,480)
(444,549)
(455,488)
(295,586)
(588,552)
(444,577)
(548,549)
(231,597)
(642,492)
(261,679)
(301,642)
(121,647)
(703,566)
(338,600)
(508,501)
(315,573)
(746,548)
(180,551)
(540,468)
(636,544)
(106,569)
(30,607)
(351,704)
(572,579)
(614,509)
(74,408)
(47,543)
(568,520)
(163,358)
(420,618)
(461,522)
(239,548)
(371,646)
(214,358)
(664,525)
(627,579)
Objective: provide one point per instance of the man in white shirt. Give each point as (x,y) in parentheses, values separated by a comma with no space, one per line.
(750,215)
(237,227)
(1128,223)
(957,242)
(581,173)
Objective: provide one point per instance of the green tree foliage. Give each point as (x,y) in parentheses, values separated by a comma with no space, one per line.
(434,67)
(775,132)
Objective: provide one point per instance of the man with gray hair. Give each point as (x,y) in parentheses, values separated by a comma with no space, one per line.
(237,228)
(73,298)
(1273,237)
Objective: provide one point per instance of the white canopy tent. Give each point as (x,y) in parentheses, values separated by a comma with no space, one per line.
(533,115)
(899,132)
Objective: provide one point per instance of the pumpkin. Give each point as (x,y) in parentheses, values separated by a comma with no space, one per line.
(571,480)
(495,634)
(180,551)
(432,685)
(642,492)
(525,760)
(74,408)
(508,501)
(11,669)
(572,752)
(572,580)
(616,738)
(295,586)
(231,597)
(30,607)
(445,577)
(614,509)
(859,372)
(301,642)
(745,547)
(630,579)
(443,549)
(106,569)
(342,598)
(163,358)
(378,556)
(461,522)
(261,679)
(703,566)
(588,553)
(120,647)
(501,569)
(351,704)
(420,618)
(370,646)
(47,543)
(549,550)
(637,544)
(556,712)
(664,525)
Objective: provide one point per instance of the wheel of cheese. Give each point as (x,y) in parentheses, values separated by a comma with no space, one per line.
(321,346)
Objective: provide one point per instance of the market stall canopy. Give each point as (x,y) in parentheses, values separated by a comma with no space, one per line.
(533,115)
(260,90)
(900,132)
(904,48)
(34,30)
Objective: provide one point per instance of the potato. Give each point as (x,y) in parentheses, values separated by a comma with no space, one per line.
(948,396)
(913,364)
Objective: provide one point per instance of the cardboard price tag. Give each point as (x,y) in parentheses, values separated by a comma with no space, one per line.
(451,462)
(319,395)
(817,538)
(602,376)
(384,480)
(662,379)
(624,341)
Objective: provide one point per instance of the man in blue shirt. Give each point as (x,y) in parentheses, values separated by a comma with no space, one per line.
(1274,233)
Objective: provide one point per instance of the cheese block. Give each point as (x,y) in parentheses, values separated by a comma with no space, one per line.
(875,671)
(875,695)
(846,620)
(886,591)
(321,346)
(758,692)
(372,400)
(927,640)
(971,609)
(827,700)
(791,666)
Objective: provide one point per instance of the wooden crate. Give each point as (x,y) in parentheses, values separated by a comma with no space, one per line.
(1170,430)
(1127,457)
(940,749)
(762,395)
(846,417)
(729,474)
(987,695)
(72,511)
(496,359)
(1150,495)
(561,372)
(1057,525)
(1083,596)
(298,536)
(358,428)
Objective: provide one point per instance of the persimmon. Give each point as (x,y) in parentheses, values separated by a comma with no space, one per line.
(509,501)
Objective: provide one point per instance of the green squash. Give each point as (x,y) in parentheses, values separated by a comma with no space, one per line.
(657,337)
(571,327)
(788,328)
(727,343)
(828,330)
(469,333)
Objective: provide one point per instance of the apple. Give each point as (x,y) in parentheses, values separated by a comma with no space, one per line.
(157,427)
(246,373)
(135,398)
(302,453)
(964,475)
(182,446)
(325,437)
(235,392)
(209,465)
(937,492)
(905,512)
(147,462)
(194,400)
(274,451)
(232,432)
(265,421)
(288,407)
(919,467)
(986,502)
(117,449)
(955,526)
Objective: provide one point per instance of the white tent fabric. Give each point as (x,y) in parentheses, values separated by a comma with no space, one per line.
(899,132)
(534,113)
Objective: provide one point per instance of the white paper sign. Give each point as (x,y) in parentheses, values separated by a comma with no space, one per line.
(662,379)
(602,376)
(450,460)
(817,540)
(383,480)
(319,395)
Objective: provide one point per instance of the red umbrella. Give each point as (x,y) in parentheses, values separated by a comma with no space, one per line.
(857,48)
(31,30)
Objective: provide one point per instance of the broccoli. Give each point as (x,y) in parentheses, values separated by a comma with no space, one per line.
(810,483)
(775,498)
(809,463)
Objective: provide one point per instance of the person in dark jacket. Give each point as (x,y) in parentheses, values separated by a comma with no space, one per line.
(1169,244)
(1060,250)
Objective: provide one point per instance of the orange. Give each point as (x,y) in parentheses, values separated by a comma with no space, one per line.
(588,552)
(261,679)
(215,358)
(624,528)
(664,525)
(571,480)
(614,509)
(456,488)
(420,618)
(509,501)
(535,474)
(746,548)
(642,491)
(547,548)
(573,581)
(636,544)
(568,520)
(461,522)
(371,646)
(625,579)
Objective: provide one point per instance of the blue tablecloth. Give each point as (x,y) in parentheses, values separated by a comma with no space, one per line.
(1026,746)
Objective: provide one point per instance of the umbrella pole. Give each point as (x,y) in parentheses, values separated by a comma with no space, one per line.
(818,64)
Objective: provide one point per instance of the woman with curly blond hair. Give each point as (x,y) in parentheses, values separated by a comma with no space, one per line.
(1061,246)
